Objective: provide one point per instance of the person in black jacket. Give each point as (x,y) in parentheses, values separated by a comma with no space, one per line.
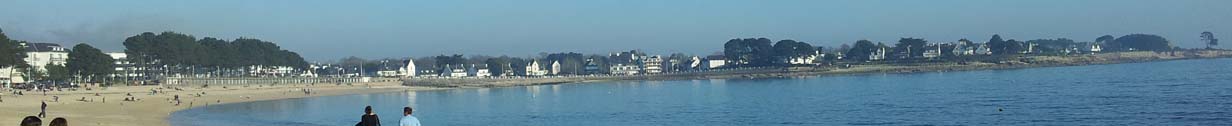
(369,118)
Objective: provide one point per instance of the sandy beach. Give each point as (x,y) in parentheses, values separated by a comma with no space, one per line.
(153,109)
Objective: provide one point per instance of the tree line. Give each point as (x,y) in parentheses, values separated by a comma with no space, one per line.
(759,51)
(914,47)
(181,51)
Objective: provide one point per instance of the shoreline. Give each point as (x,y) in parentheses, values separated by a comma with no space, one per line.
(157,108)
(1022,62)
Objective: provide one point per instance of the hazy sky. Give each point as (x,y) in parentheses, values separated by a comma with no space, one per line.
(325,30)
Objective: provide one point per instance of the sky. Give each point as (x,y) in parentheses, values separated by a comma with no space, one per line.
(326,30)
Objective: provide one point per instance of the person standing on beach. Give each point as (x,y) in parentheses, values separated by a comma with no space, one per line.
(43,111)
(369,118)
(407,119)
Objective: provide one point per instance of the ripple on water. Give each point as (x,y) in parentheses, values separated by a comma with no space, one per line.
(1081,95)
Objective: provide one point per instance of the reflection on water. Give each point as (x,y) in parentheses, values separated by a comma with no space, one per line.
(1192,92)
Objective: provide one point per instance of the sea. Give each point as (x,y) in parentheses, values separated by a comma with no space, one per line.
(1181,92)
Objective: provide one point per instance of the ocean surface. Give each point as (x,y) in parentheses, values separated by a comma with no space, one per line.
(1186,92)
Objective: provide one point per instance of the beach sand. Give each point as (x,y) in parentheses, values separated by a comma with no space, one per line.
(153,110)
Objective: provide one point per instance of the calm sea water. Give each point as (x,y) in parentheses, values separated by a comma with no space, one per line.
(1189,92)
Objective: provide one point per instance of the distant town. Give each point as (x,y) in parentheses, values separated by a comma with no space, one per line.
(155,58)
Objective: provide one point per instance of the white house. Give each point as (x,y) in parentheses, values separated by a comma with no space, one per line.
(124,68)
(1092,47)
(932,51)
(409,69)
(477,70)
(878,54)
(694,62)
(624,69)
(453,70)
(554,68)
(963,49)
(652,65)
(714,62)
(533,69)
(8,76)
(39,55)
(387,73)
(806,59)
(983,49)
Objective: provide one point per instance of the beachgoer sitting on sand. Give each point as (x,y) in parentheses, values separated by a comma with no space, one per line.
(369,118)
(59,121)
(31,121)
(407,119)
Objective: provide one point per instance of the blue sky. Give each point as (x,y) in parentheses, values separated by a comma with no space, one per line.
(325,30)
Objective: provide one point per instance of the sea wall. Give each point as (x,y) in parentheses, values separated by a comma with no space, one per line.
(522,81)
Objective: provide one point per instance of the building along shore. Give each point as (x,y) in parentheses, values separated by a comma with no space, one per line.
(775,72)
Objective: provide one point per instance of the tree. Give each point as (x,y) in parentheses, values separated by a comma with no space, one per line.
(1054,46)
(913,47)
(56,73)
(996,45)
(1209,39)
(570,63)
(1106,41)
(451,62)
(749,51)
(181,53)
(88,63)
(498,66)
(1002,47)
(785,49)
(680,61)
(964,41)
(11,53)
(1142,42)
(842,48)
(861,50)
(1014,46)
